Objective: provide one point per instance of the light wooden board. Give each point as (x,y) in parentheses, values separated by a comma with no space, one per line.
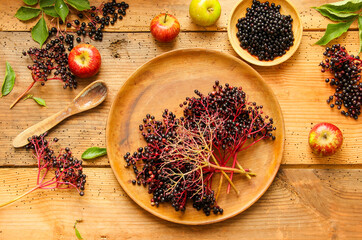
(141,12)
(308,203)
(300,204)
(298,84)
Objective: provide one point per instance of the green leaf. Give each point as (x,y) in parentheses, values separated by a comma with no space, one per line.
(39,101)
(26,13)
(360,33)
(62,9)
(77,233)
(334,15)
(345,6)
(30,2)
(94,152)
(333,31)
(46,3)
(9,80)
(50,11)
(80,5)
(40,31)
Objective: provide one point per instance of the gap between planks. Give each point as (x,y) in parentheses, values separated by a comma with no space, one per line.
(192,31)
(282,166)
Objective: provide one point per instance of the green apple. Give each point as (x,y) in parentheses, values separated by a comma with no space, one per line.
(205,12)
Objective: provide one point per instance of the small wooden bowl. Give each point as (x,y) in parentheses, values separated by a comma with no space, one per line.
(239,11)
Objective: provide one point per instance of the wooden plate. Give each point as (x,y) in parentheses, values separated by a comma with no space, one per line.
(164,82)
(239,11)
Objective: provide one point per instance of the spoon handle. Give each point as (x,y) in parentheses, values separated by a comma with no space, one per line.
(41,127)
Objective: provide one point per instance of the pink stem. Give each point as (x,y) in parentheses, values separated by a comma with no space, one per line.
(22,95)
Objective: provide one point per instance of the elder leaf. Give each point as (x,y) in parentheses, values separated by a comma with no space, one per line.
(345,6)
(334,31)
(94,152)
(40,31)
(50,11)
(77,233)
(30,2)
(9,80)
(39,101)
(62,9)
(80,5)
(335,15)
(26,13)
(46,3)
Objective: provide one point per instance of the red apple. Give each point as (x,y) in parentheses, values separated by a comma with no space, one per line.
(325,139)
(84,60)
(165,27)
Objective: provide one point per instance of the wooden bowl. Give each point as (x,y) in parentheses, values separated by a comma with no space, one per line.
(164,82)
(239,11)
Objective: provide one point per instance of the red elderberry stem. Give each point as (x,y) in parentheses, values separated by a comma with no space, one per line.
(22,95)
(17,198)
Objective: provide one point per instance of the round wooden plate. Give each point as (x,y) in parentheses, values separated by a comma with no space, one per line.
(239,11)
(164,82)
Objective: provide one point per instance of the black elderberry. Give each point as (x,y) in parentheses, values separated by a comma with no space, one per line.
(347,80)
(264,32)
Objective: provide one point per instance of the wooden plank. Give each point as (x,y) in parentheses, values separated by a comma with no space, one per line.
(298,84)
(141,12)
(300,204)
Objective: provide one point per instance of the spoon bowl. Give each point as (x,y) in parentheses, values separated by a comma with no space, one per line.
(90,97)
(93,95)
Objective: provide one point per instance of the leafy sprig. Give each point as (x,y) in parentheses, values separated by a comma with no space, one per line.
(52,8)
(345,12)
(94,152)
(9,80)
(38,100)
(77,233)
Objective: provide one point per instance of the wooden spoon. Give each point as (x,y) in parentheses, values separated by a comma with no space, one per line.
(91,96)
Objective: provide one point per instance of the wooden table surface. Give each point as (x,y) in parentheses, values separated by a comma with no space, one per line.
(311,197)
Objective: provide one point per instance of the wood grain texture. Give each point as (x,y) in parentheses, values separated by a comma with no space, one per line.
(312,203)
(141,12)
(300,204)
(90,97)
(297,83)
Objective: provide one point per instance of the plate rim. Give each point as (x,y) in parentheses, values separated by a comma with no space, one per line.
(246,206)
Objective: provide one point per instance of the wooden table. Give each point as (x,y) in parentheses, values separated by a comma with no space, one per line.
(311,197)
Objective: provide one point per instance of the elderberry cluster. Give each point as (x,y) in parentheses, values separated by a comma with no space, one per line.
(97,20)
(264,32)
(68,170)
(51,63)
(346,80)
(159,166)
(229,103)
(157,179)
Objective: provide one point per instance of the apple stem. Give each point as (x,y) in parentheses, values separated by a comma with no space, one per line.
(210,9)
(164,20)
(325,135)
